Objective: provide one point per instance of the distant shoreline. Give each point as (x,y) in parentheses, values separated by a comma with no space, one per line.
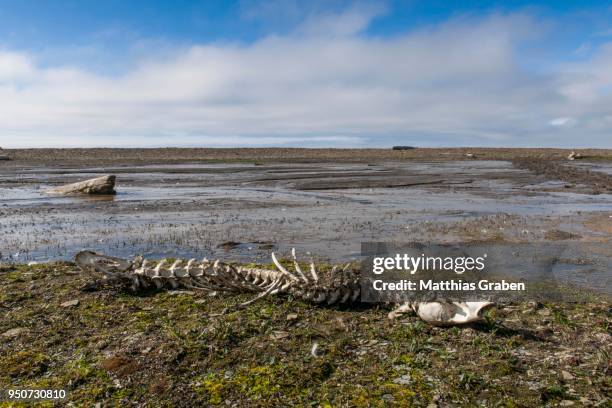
(100,156)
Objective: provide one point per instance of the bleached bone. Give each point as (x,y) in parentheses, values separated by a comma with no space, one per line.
(342,286)
(445,313)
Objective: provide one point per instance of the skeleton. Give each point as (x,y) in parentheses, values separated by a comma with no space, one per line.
(341,286)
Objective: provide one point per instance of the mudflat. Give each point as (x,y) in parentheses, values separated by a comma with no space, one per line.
(244,203)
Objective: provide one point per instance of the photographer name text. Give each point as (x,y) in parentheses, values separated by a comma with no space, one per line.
(448,285)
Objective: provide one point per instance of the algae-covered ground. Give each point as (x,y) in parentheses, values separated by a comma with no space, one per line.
(173,349)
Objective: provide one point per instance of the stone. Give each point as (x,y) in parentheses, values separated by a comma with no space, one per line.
(102,344)
(566,375)
(387,397)
(99,185)
(603,337)
(13,332)
(544,312)
(70,303)
(403,380)
(292,316)
(278,334)
(4,157)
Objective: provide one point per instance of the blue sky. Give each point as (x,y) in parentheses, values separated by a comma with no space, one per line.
(293,73)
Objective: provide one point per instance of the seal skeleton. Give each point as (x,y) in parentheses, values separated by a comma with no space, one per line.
(341,286)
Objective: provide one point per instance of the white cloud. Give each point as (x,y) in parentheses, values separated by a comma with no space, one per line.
(562,121)
(459,83)
(15,67)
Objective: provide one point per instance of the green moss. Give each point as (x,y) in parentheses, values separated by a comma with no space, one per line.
(13,277)
(27,363)
(553,392)
(210,388)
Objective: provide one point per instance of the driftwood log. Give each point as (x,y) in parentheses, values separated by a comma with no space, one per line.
(99,185)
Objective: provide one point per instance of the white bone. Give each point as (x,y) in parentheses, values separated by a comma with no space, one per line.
(445,313)
(297,266)
(282,269)
(313,272)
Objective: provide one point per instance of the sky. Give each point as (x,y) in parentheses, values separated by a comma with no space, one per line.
(254,73)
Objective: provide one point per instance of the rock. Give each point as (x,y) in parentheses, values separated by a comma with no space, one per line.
(470,155)
(292,316)
(566,375)
(278,334)
(314,350)
(4,157)
(566,403)
(102,344)
(404,147)
(99,185)
(70,303)
(13,332)
(544,312)
(403,380)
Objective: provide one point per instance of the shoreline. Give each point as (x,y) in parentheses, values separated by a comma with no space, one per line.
(172,155)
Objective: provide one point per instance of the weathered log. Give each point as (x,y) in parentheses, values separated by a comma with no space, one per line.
(99,185)
(574,156)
